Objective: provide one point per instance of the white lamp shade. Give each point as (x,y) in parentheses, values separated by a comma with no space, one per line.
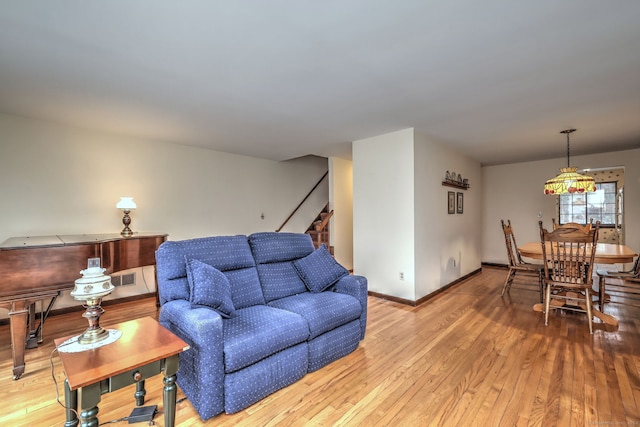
(92,284)
(126,203)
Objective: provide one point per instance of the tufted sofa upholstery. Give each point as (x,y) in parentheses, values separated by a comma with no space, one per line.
(279,329)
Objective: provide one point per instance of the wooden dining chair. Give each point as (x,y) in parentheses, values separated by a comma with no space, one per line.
(584,227)
(525,274)
(568,255)
(624,283)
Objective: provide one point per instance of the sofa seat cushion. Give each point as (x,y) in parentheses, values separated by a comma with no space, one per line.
(257,332)
(323,311)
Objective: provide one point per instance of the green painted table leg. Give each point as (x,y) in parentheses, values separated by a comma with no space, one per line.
(140,393)
(170,391)
(89,398)
(71,404)
(170,401)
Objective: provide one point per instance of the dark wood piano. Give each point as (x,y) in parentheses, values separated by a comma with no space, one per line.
(38,268)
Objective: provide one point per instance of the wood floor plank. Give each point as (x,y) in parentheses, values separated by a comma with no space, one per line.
(467,357)
(517,411)
(577,385)
(590,388)
(566,387)
(626,390)
(603,404)
(552,408)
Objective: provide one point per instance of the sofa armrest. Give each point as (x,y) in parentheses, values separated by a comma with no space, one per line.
(200,327)
(357,287)
(201,371)
(353,285)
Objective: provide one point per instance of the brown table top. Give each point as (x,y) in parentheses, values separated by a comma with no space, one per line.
(143,341)
(606,253)
(68,239)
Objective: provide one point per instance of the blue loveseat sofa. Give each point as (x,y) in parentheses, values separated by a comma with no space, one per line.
(258,311)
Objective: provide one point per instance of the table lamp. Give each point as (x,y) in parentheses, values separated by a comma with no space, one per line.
(91,288)
(127,205)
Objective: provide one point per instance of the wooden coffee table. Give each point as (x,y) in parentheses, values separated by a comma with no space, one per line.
(145,349)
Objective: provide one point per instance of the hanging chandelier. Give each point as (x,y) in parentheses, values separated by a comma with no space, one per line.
(569,180)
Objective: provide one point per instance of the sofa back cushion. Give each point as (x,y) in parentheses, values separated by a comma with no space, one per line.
(274,254)
(229,254)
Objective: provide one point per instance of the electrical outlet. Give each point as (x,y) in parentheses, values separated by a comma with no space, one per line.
(401,275)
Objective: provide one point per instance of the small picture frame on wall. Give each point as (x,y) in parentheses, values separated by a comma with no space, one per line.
(451,198)
(460,202)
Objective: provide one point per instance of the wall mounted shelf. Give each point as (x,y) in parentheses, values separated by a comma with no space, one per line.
(455,185)
(451,179)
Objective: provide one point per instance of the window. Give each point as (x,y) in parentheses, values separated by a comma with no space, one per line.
(599,205)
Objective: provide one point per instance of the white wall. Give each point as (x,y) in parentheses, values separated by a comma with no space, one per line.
(448,246)
(514,192)
(57,179)
(383,212)
(61,180)
(341,201)
(400,215)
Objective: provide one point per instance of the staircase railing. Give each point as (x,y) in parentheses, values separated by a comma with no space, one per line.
(322,234)
(325,221)
(302,202)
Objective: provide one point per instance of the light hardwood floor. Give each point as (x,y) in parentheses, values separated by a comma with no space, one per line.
(466,357)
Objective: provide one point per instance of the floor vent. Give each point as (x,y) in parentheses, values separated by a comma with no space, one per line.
(129,279)
(123,279)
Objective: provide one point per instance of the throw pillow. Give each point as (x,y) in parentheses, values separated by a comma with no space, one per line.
(209,288)
(319,269)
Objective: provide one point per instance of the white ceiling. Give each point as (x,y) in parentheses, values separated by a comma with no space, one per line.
(498,79)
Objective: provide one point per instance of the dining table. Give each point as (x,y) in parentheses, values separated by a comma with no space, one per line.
(606,253)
